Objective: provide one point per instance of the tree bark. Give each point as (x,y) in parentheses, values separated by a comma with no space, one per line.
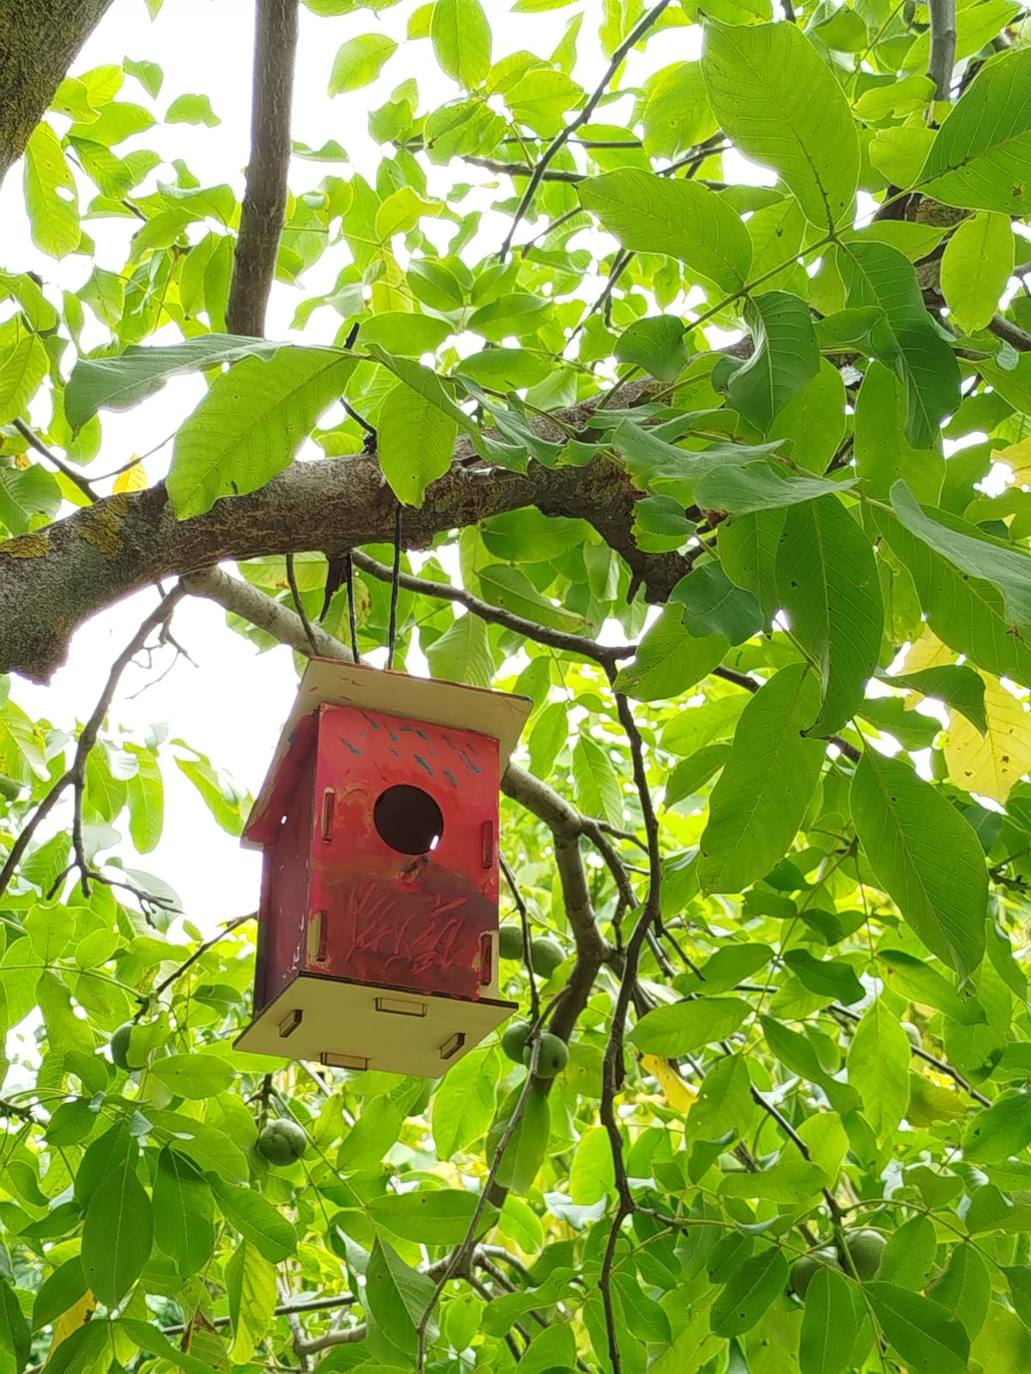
(39,40)
(53,579)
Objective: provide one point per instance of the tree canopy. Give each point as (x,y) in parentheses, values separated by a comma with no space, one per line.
(674,372)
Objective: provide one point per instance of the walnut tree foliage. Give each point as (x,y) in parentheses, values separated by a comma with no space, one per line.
(696,356)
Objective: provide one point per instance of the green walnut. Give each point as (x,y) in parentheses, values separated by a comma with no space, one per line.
(545,955)
(865,1249)
(552,1057)
(119,1049)
(510,942)
(804,1269)
(513,1042)
(281,1142)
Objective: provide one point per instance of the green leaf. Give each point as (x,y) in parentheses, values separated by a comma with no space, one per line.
(980,157)
(749,1292)
(761,796)
(592,1174)
(528,1144)
(692,773)
(975,268)
(657,344)
(784,359)
(878,1068)
(925,856)
(508,586)
(397,1297)
(759,487)
(415,445)
(359,62)
(256,1220)
(145,794)
(1001,1130)
(957,685)
(21,374)
(461,40)
(794,118)
(828,584)
(463,653)
(251,1285)
(829,1324)
(433,1216)
(251,424)
(670,659)
(1008,568)
(194,1076)
(965,1288)
(713,605)
(50,196)
(58,1292)
(121,381)
(883,453)
(463,1104)
(830,978)
(192,109)
(598,791)
(813,419)
(684,1027)
(15,1337)
(117,1233)
(183,1212)
(875,274)
(652,214)
(921,1330)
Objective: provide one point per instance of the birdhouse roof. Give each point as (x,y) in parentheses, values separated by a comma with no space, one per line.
(332,682)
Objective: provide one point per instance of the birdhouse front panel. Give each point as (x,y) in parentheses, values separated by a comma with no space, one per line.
(378,928)
(404,870)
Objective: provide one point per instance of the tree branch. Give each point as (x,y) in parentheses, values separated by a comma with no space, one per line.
(943,45)
(54,578)
(39,40)
(264,202)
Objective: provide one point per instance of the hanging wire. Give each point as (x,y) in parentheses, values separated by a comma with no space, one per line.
(395,588)
(352,615)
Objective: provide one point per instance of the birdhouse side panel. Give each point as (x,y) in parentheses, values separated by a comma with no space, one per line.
(286,883)
(405,867)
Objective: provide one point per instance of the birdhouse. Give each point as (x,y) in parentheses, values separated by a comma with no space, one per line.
(378,921)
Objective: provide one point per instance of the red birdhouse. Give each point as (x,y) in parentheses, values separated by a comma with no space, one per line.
(378,820)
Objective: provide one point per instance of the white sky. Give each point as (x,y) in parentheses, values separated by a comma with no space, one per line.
(231,706)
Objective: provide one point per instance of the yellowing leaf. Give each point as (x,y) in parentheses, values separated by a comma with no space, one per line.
(1018,457)
(928,652)
(132,479)
(77,1315)
(680,1095)
(991,764)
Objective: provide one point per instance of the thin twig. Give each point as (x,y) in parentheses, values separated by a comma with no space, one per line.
(66,469)
(295,592)
(198,953)
(559,141)
(495,615)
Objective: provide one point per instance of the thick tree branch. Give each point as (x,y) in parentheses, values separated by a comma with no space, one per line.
(53,579)
(39,40)
(264,201)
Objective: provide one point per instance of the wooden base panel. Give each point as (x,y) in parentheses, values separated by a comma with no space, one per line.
(361,1026)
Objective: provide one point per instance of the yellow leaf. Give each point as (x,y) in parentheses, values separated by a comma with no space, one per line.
(1018,457)
(680,1095)
(132,479)
(927,652)
(69,1322)
(22,461)
(992,764)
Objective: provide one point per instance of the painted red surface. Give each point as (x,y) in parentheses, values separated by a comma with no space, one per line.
(338,900)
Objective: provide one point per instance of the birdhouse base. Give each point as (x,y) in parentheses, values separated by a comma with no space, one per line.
(366,1026)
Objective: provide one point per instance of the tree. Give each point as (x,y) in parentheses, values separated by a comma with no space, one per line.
(729,473)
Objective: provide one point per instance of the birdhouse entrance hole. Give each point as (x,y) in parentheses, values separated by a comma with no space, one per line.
(408,819)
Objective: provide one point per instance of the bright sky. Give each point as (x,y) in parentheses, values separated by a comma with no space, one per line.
(231,705)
